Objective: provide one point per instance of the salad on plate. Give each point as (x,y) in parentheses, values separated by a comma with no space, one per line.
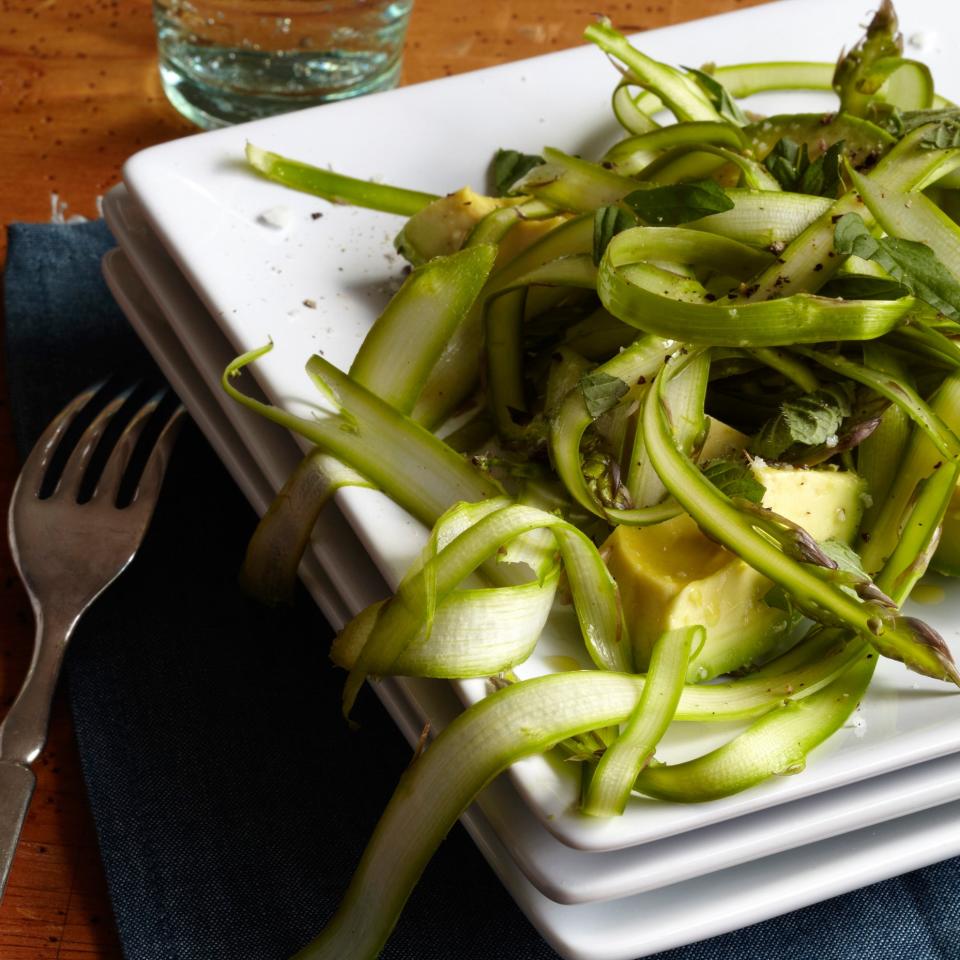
(703,391)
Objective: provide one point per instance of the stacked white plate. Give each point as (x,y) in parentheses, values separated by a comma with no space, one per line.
(215,261)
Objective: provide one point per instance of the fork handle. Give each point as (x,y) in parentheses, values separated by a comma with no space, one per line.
(16,788)
(23,732)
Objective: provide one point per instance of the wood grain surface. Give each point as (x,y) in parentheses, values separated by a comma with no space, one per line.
(79,93)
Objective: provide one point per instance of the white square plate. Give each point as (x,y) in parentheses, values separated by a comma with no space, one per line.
(558,871)
(206,208)
(618,929)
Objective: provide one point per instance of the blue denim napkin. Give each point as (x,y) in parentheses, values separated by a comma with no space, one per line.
(230,799)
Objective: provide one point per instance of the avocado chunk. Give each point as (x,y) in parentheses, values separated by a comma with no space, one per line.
(670,575)
(828,504)
(722,441)
(442,227)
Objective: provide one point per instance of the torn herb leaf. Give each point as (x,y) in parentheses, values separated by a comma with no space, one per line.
(943,136)
(784,160)
(814,417)
(679,202)
(735,479)
(509,166)
(719,96)
(846,558)
(810,419)
(901,122)
(790,164)
(849,574)
(822,177)
(601,392)
(864,288)
(911,263)
(607,223)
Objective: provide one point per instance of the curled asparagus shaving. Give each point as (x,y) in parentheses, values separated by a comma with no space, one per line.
(517,721)
(775,745)
(676,90)
(276,548)
(411,611)
(676,308)
(402,458)
(620,765)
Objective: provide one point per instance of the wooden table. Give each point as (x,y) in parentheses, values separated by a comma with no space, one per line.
(79,93)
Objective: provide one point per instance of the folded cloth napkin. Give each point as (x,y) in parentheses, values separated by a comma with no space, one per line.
(231,801)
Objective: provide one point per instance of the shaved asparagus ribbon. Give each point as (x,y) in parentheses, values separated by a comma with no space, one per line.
(520,721)
(475,631)
(411,613)
(335,186)
(418,470)
(277,546)
(436,298)
(621,763)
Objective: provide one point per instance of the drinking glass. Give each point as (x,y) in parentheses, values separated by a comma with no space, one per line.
(226,61)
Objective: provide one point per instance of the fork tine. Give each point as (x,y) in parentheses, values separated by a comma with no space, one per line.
(148,487)
(79,459)
(108,483)
(38,460)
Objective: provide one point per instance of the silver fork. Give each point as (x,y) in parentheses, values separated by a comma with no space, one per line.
(67,554)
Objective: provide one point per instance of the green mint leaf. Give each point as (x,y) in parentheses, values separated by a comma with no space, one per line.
(607,223)
(719,96)
(916,266)
(846,558)
(786,162)
(901,122)
(822,177)
(679,202)
(601,392)
(811,419)
(943,136)
(772,440)
(852,236)
(735,479)
(850,576)
(509,166)
(864,288)
(911,119)
(913,264)
(790,164)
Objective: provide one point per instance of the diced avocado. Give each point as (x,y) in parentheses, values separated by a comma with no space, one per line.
(670,575)
(524,234)
(722,441)
(441,227)
(828,504)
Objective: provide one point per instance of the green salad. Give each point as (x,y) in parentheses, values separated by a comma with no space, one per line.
(704,389)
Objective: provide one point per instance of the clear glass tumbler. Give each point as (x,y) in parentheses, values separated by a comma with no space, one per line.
(226,61)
